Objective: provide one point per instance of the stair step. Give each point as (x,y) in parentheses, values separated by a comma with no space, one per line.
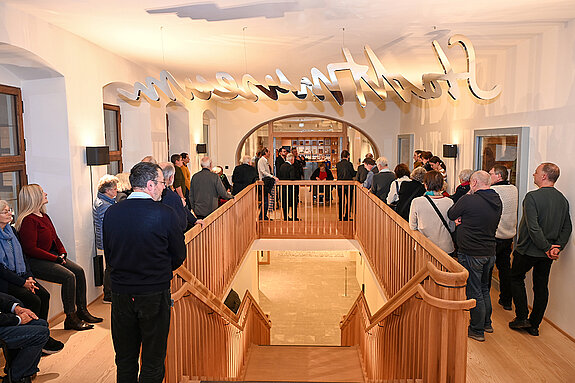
(303,364)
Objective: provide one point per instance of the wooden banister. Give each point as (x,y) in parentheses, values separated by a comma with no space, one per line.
(421,331)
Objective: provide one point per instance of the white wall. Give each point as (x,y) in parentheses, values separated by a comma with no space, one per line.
(63,115)
(538,81)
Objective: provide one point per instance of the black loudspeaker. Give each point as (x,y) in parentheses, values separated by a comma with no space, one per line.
(97,155)
(233,301)
(450,151)
(201,148)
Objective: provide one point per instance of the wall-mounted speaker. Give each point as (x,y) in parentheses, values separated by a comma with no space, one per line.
(201,148)
(449,151)
(97,155)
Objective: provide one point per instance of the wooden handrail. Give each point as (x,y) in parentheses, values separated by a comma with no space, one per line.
(421,331)
(194,286)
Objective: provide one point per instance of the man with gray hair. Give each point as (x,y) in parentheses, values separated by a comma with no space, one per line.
(207,187)
(382,180)
(144,245)
(244,175)
(544,232)
(477,215)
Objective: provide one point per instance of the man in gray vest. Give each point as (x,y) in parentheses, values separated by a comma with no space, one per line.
(544,231)
(505,231)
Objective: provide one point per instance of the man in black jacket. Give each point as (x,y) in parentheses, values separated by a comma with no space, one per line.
(25,336)
(477,216)
(290,193)
(280,160)
(243,175)
(345,172)
(144,243)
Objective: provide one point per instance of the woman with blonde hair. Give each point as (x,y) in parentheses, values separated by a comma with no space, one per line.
(48,257)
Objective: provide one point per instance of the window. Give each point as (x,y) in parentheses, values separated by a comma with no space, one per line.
(504,146)
(113,133)
(12,149)
(405,149)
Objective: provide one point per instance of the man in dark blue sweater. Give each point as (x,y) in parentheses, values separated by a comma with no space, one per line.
(143,243)
(477,216)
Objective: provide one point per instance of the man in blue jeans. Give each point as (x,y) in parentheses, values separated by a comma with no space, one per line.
(25,335)
(477,216)
(143,243)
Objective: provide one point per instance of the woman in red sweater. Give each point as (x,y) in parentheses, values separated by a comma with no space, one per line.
(48,258)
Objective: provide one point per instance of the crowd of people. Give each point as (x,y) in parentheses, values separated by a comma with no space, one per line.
(143,242)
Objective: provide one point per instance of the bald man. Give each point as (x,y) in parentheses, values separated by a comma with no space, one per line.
(477,216)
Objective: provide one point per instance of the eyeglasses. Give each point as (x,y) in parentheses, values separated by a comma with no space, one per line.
(11,212)
(160,182)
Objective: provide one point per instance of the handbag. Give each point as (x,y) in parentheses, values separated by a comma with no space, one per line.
(98,260)
(393,205)
(452,233)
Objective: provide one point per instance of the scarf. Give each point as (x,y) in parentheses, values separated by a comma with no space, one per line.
(11,257)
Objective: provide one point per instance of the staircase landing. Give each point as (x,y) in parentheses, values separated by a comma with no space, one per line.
(304,364)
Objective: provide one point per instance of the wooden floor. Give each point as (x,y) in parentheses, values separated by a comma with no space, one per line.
(88,356)
(506,356)
(304,364)
(515,356)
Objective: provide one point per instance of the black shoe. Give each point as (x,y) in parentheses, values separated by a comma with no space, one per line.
(475,336)
(533,331)
(517,324)
(72,322)
(506,306)
(107,299)
(87,317)
(52,346)
(25,379)
(488,329)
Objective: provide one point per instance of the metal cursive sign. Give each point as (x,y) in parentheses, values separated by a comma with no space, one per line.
(380,81)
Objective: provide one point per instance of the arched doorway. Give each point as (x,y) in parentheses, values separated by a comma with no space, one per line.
(317,137)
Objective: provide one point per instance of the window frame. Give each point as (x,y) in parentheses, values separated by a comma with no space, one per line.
(115,155)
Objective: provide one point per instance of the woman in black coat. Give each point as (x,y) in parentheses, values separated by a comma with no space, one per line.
(410,190)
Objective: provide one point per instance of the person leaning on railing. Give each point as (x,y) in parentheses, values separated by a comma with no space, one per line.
(48,258)
(322,173)
(401,174)
(424,217)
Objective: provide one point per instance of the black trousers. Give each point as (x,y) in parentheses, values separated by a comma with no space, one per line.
(345,195)
(38,302)
(290,198)
(541,269)
(140,321)
(70,275)
(503,263)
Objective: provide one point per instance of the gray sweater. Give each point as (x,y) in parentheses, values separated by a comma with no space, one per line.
(206,188)
(545,222)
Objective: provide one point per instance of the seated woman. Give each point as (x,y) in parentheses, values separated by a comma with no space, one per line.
(17,280)
(48,258)
(322,173)
(425,211)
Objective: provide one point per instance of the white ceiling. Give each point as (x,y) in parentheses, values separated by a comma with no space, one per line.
(236,36)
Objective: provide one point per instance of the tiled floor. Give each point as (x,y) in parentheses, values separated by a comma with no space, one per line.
(305,294)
